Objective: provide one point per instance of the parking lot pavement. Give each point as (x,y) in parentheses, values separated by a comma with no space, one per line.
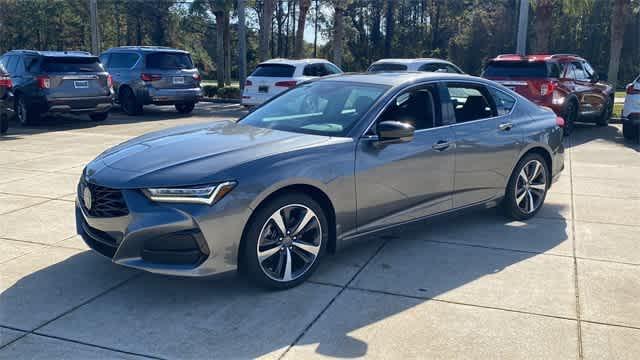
(561,286)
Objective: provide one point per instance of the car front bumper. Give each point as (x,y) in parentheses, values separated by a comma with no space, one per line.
(171,239)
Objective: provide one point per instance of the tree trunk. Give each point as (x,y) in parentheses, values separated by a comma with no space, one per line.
(315,35)
(338,35)
(227,49)
(390,24)
(220,48)
(618,23)
(302,20)
(543,22)
(265,29)
(242,44)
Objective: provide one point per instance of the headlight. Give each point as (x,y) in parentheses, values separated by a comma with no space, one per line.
(205,194)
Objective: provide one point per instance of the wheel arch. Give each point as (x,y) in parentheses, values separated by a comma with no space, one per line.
(542,151)
(315,193)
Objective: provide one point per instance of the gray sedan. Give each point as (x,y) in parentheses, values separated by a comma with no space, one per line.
(315,169)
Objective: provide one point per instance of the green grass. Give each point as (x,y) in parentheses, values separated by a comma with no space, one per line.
(617,110)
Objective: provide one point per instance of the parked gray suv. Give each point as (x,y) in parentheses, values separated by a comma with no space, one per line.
(48,82)
(145,75)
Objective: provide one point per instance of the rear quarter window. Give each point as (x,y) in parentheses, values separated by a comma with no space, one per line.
(524,69)
(504,102)
(168,61)
(387,67)
(71,64)
(274,70)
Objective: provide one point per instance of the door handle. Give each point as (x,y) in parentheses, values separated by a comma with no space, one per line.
(505,126)
(441,145)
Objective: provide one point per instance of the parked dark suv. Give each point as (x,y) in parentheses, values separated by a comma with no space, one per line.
(6,99)
(47,82)
(153,75)
(565,83)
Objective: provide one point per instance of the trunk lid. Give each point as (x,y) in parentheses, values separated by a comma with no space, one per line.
(535,80)
(170,70)
(77,77)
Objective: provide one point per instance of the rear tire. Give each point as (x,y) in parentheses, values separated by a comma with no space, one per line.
(26,116)
(527,188)
(268,251)
(631,130)
(129,103)
(185,108)
(99,116)
(570,116)
(603,120)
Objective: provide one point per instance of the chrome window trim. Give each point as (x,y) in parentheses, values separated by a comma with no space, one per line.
(386,105)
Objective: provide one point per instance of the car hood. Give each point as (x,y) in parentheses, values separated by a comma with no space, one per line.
(191,155)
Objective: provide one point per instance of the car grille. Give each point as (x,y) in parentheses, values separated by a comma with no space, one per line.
(106,202)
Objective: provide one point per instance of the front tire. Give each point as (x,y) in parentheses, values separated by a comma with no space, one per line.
(185,108)
(570,117)
(284,241)
(604,118)
(129,103)
(527,188)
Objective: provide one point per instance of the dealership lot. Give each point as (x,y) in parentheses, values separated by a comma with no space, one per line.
(563,285)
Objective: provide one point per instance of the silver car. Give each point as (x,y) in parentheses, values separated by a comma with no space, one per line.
(315,169)
(144,75)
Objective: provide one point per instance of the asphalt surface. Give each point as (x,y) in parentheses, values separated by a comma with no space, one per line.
(564,285)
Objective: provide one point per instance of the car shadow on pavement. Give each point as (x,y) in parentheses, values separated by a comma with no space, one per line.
(584,133)
(225,316)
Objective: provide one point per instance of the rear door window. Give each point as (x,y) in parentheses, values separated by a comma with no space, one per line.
(169,61)
(471,102)
(524,69)
(71,64)
(274,70)
(122,60)
(387,67)
(314,70)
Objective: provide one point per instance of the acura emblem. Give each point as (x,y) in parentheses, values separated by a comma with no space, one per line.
(86,197)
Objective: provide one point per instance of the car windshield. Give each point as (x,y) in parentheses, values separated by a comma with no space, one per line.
(387,67)
(526,69)
(169,61)
(329,108)
(71,64)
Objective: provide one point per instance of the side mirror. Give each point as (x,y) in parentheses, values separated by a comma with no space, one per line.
(395,131)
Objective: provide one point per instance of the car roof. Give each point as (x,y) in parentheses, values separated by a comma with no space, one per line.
(411,61)
(394,78)
(294,61)
(537,57)
(53,53)
(146,49)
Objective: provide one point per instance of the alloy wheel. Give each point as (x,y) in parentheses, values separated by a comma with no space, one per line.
(289,242)
(531,186)
(22,111)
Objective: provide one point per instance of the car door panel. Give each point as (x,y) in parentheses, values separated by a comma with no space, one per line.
(485,152)
(401,182)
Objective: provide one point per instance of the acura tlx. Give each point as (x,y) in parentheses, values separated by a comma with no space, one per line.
(313,170)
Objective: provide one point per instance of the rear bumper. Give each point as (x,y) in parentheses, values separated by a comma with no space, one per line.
(172,96)
(97,104)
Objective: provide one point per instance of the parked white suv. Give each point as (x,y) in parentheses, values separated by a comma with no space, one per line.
(426,64)
(274,76)
(631,111)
